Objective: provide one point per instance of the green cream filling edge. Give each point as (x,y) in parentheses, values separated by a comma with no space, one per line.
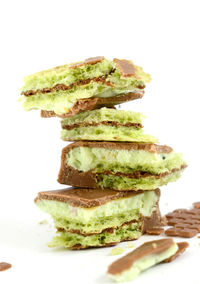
(126,161)
(96,219)
(143,264)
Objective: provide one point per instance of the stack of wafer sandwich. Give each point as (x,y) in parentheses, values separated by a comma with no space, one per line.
(114,167)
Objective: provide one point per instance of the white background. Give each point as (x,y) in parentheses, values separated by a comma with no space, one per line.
(161,36)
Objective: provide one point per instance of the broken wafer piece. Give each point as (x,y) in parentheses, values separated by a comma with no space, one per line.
(93,218)
(72,88)
(119,166)
(131,265)
(105,124)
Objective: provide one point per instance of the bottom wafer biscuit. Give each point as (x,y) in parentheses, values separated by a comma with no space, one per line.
(94,218)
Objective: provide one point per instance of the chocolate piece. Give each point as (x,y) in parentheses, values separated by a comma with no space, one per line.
(95,103)
(4,266)
(148,248)
(181,248)
(184,216)
(91,60)
(188,226)
(186,222)
(84,197)
(196,205)
(126,67)
(153,225)
(181,232)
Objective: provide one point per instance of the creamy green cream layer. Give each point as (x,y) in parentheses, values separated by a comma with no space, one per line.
(107,133)
(143,264)
(96,219)
(104,114)
(67,239)
(124,183)
(125,161)
(62,101)
(65,75)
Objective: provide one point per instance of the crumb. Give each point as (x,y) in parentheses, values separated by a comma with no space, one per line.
(154,245)
(43,222)
(130,245)
(117,251)
(4,266)
(166,203)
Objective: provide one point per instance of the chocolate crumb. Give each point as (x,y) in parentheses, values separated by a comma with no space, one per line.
(4,266)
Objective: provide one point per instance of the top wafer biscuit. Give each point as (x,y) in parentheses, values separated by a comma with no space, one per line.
(72,88)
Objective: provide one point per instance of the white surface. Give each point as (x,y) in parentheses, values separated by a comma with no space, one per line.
(161,36)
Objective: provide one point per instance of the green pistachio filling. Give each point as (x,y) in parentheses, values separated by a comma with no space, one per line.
(107,133)
(125,183)
(124,161)
(104,114)
(95,219)
(143,264)
(67,239)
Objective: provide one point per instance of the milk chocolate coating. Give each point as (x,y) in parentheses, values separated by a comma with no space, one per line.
(85,197)
(148,248)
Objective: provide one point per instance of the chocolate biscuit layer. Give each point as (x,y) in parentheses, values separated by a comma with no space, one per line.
(108,123)
(148,248)
(85,197)
(95,103)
